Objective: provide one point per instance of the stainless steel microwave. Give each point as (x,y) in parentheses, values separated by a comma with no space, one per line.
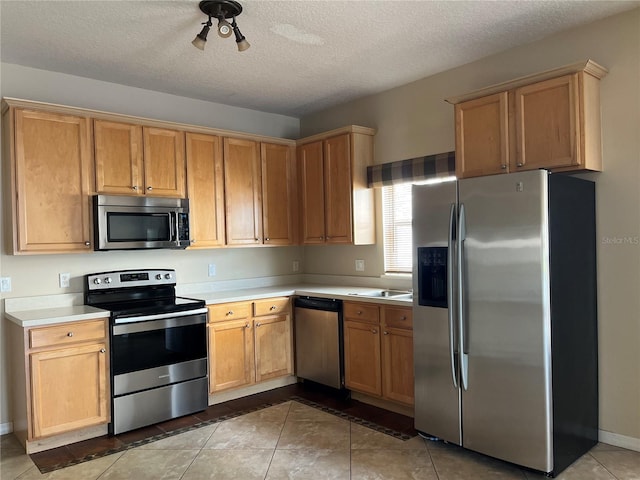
(123,222)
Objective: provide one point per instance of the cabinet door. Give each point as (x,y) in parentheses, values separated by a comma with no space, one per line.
(310,162)
(337,187)
(397,365)
(164,162)
(273,347)
(69,389)
(482,136)
(278,201)
(362,357)
(231,362)
(243,197)
(205,185)
(53,175)
(118,157)
(546,124)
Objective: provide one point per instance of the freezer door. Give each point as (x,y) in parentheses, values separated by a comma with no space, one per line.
(506,407)
(437,399)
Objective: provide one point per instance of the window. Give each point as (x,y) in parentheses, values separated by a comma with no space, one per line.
(396,221)
(396,224)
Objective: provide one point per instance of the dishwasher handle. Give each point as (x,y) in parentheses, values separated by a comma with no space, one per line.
(316,303)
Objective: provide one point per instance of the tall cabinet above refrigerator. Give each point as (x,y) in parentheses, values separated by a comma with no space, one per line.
(505,335)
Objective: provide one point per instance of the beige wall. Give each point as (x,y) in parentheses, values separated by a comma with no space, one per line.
(413,120)
(38,274)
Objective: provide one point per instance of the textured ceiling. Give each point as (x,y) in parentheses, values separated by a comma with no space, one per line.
(305,55)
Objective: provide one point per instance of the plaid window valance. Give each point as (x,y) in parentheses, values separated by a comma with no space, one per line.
(414,169)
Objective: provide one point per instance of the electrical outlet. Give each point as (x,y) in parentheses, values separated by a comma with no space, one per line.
(212,269)
(63,279)
(359,265)
(296,266)
(5,284)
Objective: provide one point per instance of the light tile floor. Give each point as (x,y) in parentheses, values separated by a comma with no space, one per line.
(295,441)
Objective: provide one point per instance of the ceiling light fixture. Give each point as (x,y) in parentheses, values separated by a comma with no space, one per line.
(221,10)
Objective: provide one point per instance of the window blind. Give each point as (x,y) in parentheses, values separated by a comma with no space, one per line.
(396,219)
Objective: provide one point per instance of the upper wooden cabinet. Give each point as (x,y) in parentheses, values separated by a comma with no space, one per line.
(51,179)
(279,200)
(242,185)
(336,205)
(139,160)
(205,187)
(549,120)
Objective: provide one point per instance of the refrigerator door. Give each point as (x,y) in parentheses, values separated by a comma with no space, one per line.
(437,397)
(506,406)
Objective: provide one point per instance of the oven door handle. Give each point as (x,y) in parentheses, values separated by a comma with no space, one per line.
(162,324)
(159,316)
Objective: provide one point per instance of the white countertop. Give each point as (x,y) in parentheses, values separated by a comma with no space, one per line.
(47,316)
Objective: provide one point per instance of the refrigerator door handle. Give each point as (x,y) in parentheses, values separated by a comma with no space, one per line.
(463,358)
(450,290)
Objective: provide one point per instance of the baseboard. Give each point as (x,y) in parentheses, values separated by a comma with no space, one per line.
(618,440)
(6,428)
(253,389)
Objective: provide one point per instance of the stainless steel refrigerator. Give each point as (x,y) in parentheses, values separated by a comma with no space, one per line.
(505,335)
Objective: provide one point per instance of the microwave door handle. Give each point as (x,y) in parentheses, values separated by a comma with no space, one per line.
(176,228)
(172,227)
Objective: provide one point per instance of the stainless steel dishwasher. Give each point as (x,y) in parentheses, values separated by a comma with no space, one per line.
(319,346)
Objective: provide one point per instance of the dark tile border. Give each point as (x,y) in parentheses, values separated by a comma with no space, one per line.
(46,467)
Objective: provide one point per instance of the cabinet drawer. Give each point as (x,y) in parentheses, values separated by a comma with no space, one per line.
(398,317)
(270,306)
(362,311)
(229,311)
(72,332)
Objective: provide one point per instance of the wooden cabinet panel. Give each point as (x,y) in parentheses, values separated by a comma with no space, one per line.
(398,317)
(61,335)
(337,185)
(205,185)
(271,306)
(546,124)
(242,192)
(231,355)
(52,173)
(68,388)
(278,200)
(362,357)
(367,312)
(312,192)
(482,139)
(118,157)
(164,168)
(273,347)
(229,311)
(397,365)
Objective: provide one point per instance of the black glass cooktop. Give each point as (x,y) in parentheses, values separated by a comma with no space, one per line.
(150,306)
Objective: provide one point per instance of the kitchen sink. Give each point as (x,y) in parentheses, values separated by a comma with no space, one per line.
(395,294)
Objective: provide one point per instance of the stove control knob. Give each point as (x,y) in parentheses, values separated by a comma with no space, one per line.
(107,280)
(159,276)
(97,281)
(167,276)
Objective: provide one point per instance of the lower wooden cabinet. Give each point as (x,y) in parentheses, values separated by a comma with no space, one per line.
(60,378)
(378,349)
(249,342)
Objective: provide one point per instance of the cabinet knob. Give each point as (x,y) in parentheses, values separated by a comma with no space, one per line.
(403,318)
(102,350)
(149,188)
(520,164)
(230,312)
(247,325)
(359,312)
(135,187)
(385,333)
(373,330)
(267,239)
(503,166)
(273,307)
(256,239)
(70,334)
(258,324)
(88,244)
